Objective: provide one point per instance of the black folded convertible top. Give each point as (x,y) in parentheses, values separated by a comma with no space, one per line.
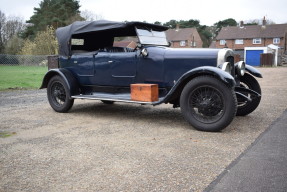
(84,29)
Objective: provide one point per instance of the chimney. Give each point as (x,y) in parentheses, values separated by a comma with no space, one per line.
(241,24)
(177,27)
(264,21)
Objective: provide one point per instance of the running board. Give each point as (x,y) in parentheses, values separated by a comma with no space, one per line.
(124,97)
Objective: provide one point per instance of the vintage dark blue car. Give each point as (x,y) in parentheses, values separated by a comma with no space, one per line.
(208,86)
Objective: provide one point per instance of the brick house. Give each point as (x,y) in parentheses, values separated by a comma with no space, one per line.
(184,38)
(128,43)
(253,37)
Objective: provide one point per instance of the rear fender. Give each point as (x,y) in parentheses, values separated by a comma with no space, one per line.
(67,76)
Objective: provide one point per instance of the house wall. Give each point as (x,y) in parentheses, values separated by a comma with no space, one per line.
(132,45)
(248,43)
(175,44)
(197,39)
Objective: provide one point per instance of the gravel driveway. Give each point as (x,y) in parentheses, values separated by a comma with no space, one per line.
(121,147)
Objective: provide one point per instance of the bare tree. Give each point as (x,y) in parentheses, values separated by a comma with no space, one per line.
(2,24)
(90,16)
(14,45)
(10,27)
(13,26)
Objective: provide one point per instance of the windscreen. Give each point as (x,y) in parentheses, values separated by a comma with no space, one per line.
(150,37)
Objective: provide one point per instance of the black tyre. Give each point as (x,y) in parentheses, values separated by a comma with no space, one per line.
(58,95)
(243,107)
(208,104)
(107,102)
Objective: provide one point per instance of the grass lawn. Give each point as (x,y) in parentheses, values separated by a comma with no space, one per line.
(21,77)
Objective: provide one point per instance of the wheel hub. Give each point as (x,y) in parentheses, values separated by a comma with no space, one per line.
(208,102)
(58,93)
(205,103)
(207,108)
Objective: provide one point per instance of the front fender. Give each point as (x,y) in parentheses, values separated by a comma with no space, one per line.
(253,71)
(67,76)
(175,91)
(225,77)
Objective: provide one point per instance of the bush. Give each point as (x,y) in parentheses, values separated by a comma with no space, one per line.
(45,43)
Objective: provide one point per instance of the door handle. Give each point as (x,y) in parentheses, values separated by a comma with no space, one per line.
(110,61)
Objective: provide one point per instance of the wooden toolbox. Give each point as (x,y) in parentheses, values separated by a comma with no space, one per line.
(144,92)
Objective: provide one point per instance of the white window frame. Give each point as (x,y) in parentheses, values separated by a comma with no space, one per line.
(257,41)
(182,43)
(239,41)
(276,40)
(222,42)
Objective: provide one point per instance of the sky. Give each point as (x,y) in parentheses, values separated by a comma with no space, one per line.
(207,12)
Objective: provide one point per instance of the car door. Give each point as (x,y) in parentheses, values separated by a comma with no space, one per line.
(102,65)
(115,69)
(123,68)
(82,65)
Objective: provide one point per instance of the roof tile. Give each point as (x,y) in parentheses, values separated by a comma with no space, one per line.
(179,34)
(252,31)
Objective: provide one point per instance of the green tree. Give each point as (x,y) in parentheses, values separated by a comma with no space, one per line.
(171,24)
(56,13)
(182,23)
(224,23)
(157,23)
(258,22)
(203,30)
(251,22)
(189,24)
(205,35)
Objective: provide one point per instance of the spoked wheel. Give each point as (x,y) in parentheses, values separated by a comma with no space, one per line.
(58,95)
(207,104)
(249,82)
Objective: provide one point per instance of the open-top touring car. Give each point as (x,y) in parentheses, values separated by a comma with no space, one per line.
(208,86)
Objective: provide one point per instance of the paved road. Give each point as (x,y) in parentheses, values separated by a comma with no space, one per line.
(262,167)
(120,147)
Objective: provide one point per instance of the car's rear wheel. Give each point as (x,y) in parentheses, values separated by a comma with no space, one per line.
(58,95)
(208,104)
(244,107)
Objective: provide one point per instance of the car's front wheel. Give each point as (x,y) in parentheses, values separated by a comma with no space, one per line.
(208,104)
(58,95)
